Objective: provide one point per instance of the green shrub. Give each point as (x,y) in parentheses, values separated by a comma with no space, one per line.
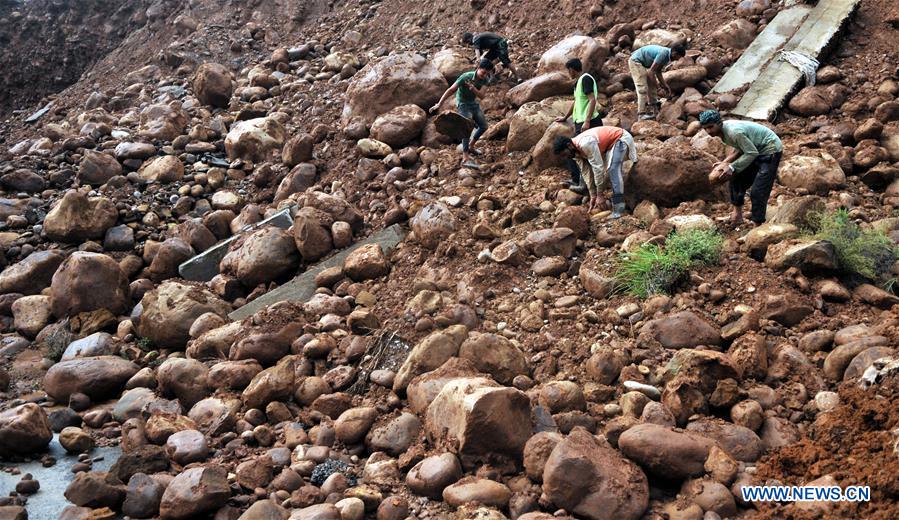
(653,270)
(868,254)
(700,246)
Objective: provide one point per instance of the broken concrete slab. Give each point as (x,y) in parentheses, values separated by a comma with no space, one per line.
(39,114)
(779,79)
(205,266)
(763,49)
(301,288)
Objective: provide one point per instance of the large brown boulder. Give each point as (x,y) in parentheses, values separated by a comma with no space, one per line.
(170,310)
(679,79)
(666,452)
(668,175)
(592,480)
(300,178)
(24,429)
(184,379)
(212,85)
(77,217)
(312,235)
(430,353)
(399,79)
(816,100)
(798,211)
(423,389)
(432,475)
(366,262)
(255,139)
(530,122)
(169,255)
(87,282)
(195,492)
(480,418)
(163,122)
(297,150)
(31,314)
(31,275)
(662,37)
(681,330)
(272,384)
(495,355)
(165,168)
(399,126)
(337,207)
(452,63)
(97,168)
(266,255)
(736,34)
(99,377)
(541,87)
(818,174)
(433,224)
(543,154)
(591,51)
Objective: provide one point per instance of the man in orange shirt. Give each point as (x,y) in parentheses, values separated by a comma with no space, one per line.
(601,149)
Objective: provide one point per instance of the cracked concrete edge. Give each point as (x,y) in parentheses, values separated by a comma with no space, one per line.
(302,287)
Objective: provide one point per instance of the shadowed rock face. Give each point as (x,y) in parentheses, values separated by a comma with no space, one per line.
(58,40)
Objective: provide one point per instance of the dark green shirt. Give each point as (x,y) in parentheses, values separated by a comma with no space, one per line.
(750,138)
(464,94)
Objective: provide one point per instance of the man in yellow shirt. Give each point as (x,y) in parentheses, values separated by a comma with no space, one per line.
(584,111)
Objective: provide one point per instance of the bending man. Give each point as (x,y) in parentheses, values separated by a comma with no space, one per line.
(492,47)
(600,150)
(646,65)
(751,166)
(584,112)
(468,90)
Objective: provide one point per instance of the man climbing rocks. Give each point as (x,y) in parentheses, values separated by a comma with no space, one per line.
(585,113)
(603,150)
(490,46)
(751,166)
(468,90)
(646,65)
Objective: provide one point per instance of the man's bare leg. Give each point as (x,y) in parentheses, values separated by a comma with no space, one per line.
(736,217)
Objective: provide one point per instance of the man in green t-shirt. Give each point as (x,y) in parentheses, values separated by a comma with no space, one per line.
(752,166)
(646,65)
(468,90)
(584,111)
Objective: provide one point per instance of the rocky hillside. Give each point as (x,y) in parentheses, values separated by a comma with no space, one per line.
(502,360)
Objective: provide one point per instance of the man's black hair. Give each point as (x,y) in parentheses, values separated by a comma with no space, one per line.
(467,37)
(574,64)
(485,64)
(561,144)
(680,49)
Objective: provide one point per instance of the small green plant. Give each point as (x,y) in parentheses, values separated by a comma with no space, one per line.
(700,246)
(652,269)
(868,254)
(146,344)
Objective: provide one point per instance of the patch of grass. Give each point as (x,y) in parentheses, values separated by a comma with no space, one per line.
(868,254)
(652,269)
(146,344)
(700,246)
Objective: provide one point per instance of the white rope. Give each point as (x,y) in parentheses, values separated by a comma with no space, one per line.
(805,63)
